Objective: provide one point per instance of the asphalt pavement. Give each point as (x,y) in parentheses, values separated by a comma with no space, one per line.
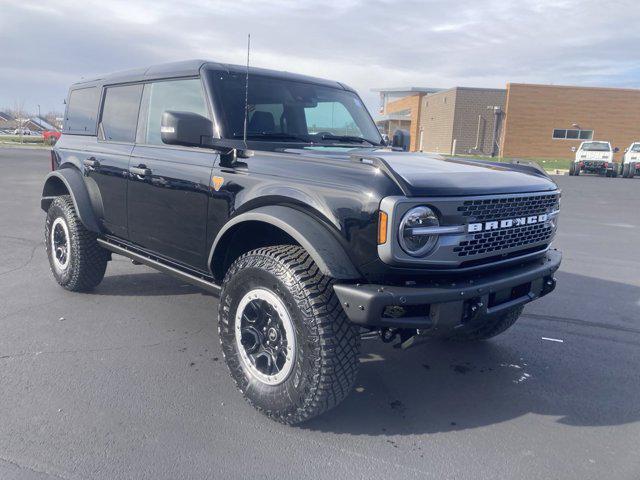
(128,381)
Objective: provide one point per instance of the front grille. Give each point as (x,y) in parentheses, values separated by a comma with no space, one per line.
(497,240)
(508,207)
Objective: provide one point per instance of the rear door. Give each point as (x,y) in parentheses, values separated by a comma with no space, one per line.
(108,163)
(168,190)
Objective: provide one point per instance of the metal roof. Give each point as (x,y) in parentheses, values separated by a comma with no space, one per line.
(406,90)
(189,68)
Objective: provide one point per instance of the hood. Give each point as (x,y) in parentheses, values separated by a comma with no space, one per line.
(419,174)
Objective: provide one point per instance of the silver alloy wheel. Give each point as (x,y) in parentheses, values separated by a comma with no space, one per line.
(265,336)
(60,243)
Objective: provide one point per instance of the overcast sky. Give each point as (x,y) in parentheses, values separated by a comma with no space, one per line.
(46,45)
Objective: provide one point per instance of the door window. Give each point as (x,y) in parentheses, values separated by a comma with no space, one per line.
(82,111)
(177,95)
(120,113)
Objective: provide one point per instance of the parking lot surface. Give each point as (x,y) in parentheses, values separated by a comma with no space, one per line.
(128,381)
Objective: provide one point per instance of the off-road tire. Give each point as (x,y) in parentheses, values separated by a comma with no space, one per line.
(325,365)
(87,260)
(490,328)
(572,169)
(625,170)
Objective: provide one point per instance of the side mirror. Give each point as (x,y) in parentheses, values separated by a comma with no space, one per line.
(185,128)
(573,149)
(616,150)
(626,150)
(400,140)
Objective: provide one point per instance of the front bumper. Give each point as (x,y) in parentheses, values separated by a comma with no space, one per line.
(440,307)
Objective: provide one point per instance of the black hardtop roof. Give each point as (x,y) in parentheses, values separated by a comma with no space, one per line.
(189,68)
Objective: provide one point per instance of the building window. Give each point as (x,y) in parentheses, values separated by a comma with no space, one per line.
(572,134)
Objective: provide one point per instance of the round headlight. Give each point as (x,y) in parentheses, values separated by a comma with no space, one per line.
(411,240)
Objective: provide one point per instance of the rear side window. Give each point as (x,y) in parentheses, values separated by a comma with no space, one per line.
(120,113)
(82,111)
(176,95)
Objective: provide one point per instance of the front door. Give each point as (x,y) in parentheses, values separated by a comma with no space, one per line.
(168,191)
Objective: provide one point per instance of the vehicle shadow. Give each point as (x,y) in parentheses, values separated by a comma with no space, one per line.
(591,379)
(144,284)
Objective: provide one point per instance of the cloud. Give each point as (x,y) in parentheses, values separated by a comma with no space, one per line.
(365,43)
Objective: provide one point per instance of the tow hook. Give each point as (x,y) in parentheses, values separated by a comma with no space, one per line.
(473,309)
(549,285)
(388,334)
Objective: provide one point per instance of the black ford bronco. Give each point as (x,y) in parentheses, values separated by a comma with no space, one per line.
(276,192)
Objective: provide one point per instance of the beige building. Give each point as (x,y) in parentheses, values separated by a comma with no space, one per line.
(461,120)
(441,120)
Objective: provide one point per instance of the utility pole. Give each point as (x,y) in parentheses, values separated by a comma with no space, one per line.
(39,111)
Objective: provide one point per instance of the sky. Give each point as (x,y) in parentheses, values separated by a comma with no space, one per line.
(47,45)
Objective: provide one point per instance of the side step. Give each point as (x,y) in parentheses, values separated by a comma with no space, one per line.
(161,266)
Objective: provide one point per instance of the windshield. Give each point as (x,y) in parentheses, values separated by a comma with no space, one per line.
(286,110)
(596,147)
(635,147)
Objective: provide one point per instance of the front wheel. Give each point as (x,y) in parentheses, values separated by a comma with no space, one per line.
(632,170)
(572,169)
(76,260)
(290,348)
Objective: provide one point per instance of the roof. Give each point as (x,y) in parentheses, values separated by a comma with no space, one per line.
(43,123)
(189,68)
(392,117)
(6,117)
(406,90)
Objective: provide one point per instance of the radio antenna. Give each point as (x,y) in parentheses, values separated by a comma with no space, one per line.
(246,93)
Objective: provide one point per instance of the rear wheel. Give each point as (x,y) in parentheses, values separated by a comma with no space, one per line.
(76,260)
(289,347)
(490,328)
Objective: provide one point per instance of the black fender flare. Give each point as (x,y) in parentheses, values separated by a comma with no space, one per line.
(74,184)
(312,235)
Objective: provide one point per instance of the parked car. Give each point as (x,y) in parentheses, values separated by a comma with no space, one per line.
(22,131)
(595,157)
(309,239)
(631,161)
(51,136)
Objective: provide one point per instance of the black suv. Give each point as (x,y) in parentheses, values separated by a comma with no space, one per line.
(276,192)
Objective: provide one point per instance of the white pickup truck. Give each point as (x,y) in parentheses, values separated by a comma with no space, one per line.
(631,161)
(595,157)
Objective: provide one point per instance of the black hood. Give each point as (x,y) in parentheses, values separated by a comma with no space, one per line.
(421,174)
(424,175)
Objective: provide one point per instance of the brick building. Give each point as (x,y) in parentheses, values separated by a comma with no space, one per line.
(535,121)
(547,120)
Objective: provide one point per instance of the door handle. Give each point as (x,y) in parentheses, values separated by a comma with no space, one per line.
(91,163)
(141,171)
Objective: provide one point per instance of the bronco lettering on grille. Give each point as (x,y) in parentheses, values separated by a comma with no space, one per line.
(507,223)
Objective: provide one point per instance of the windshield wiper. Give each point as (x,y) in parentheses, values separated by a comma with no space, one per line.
(348,138)
(274,136)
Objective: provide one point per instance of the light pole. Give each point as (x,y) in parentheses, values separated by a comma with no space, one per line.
(38,111)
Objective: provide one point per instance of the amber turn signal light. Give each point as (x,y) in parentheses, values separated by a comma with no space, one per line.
(382,227)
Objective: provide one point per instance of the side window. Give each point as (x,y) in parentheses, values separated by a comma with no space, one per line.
(120,113)
(82,111)
(177,95)
(331,117)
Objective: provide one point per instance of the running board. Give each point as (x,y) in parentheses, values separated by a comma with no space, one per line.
(161,266)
